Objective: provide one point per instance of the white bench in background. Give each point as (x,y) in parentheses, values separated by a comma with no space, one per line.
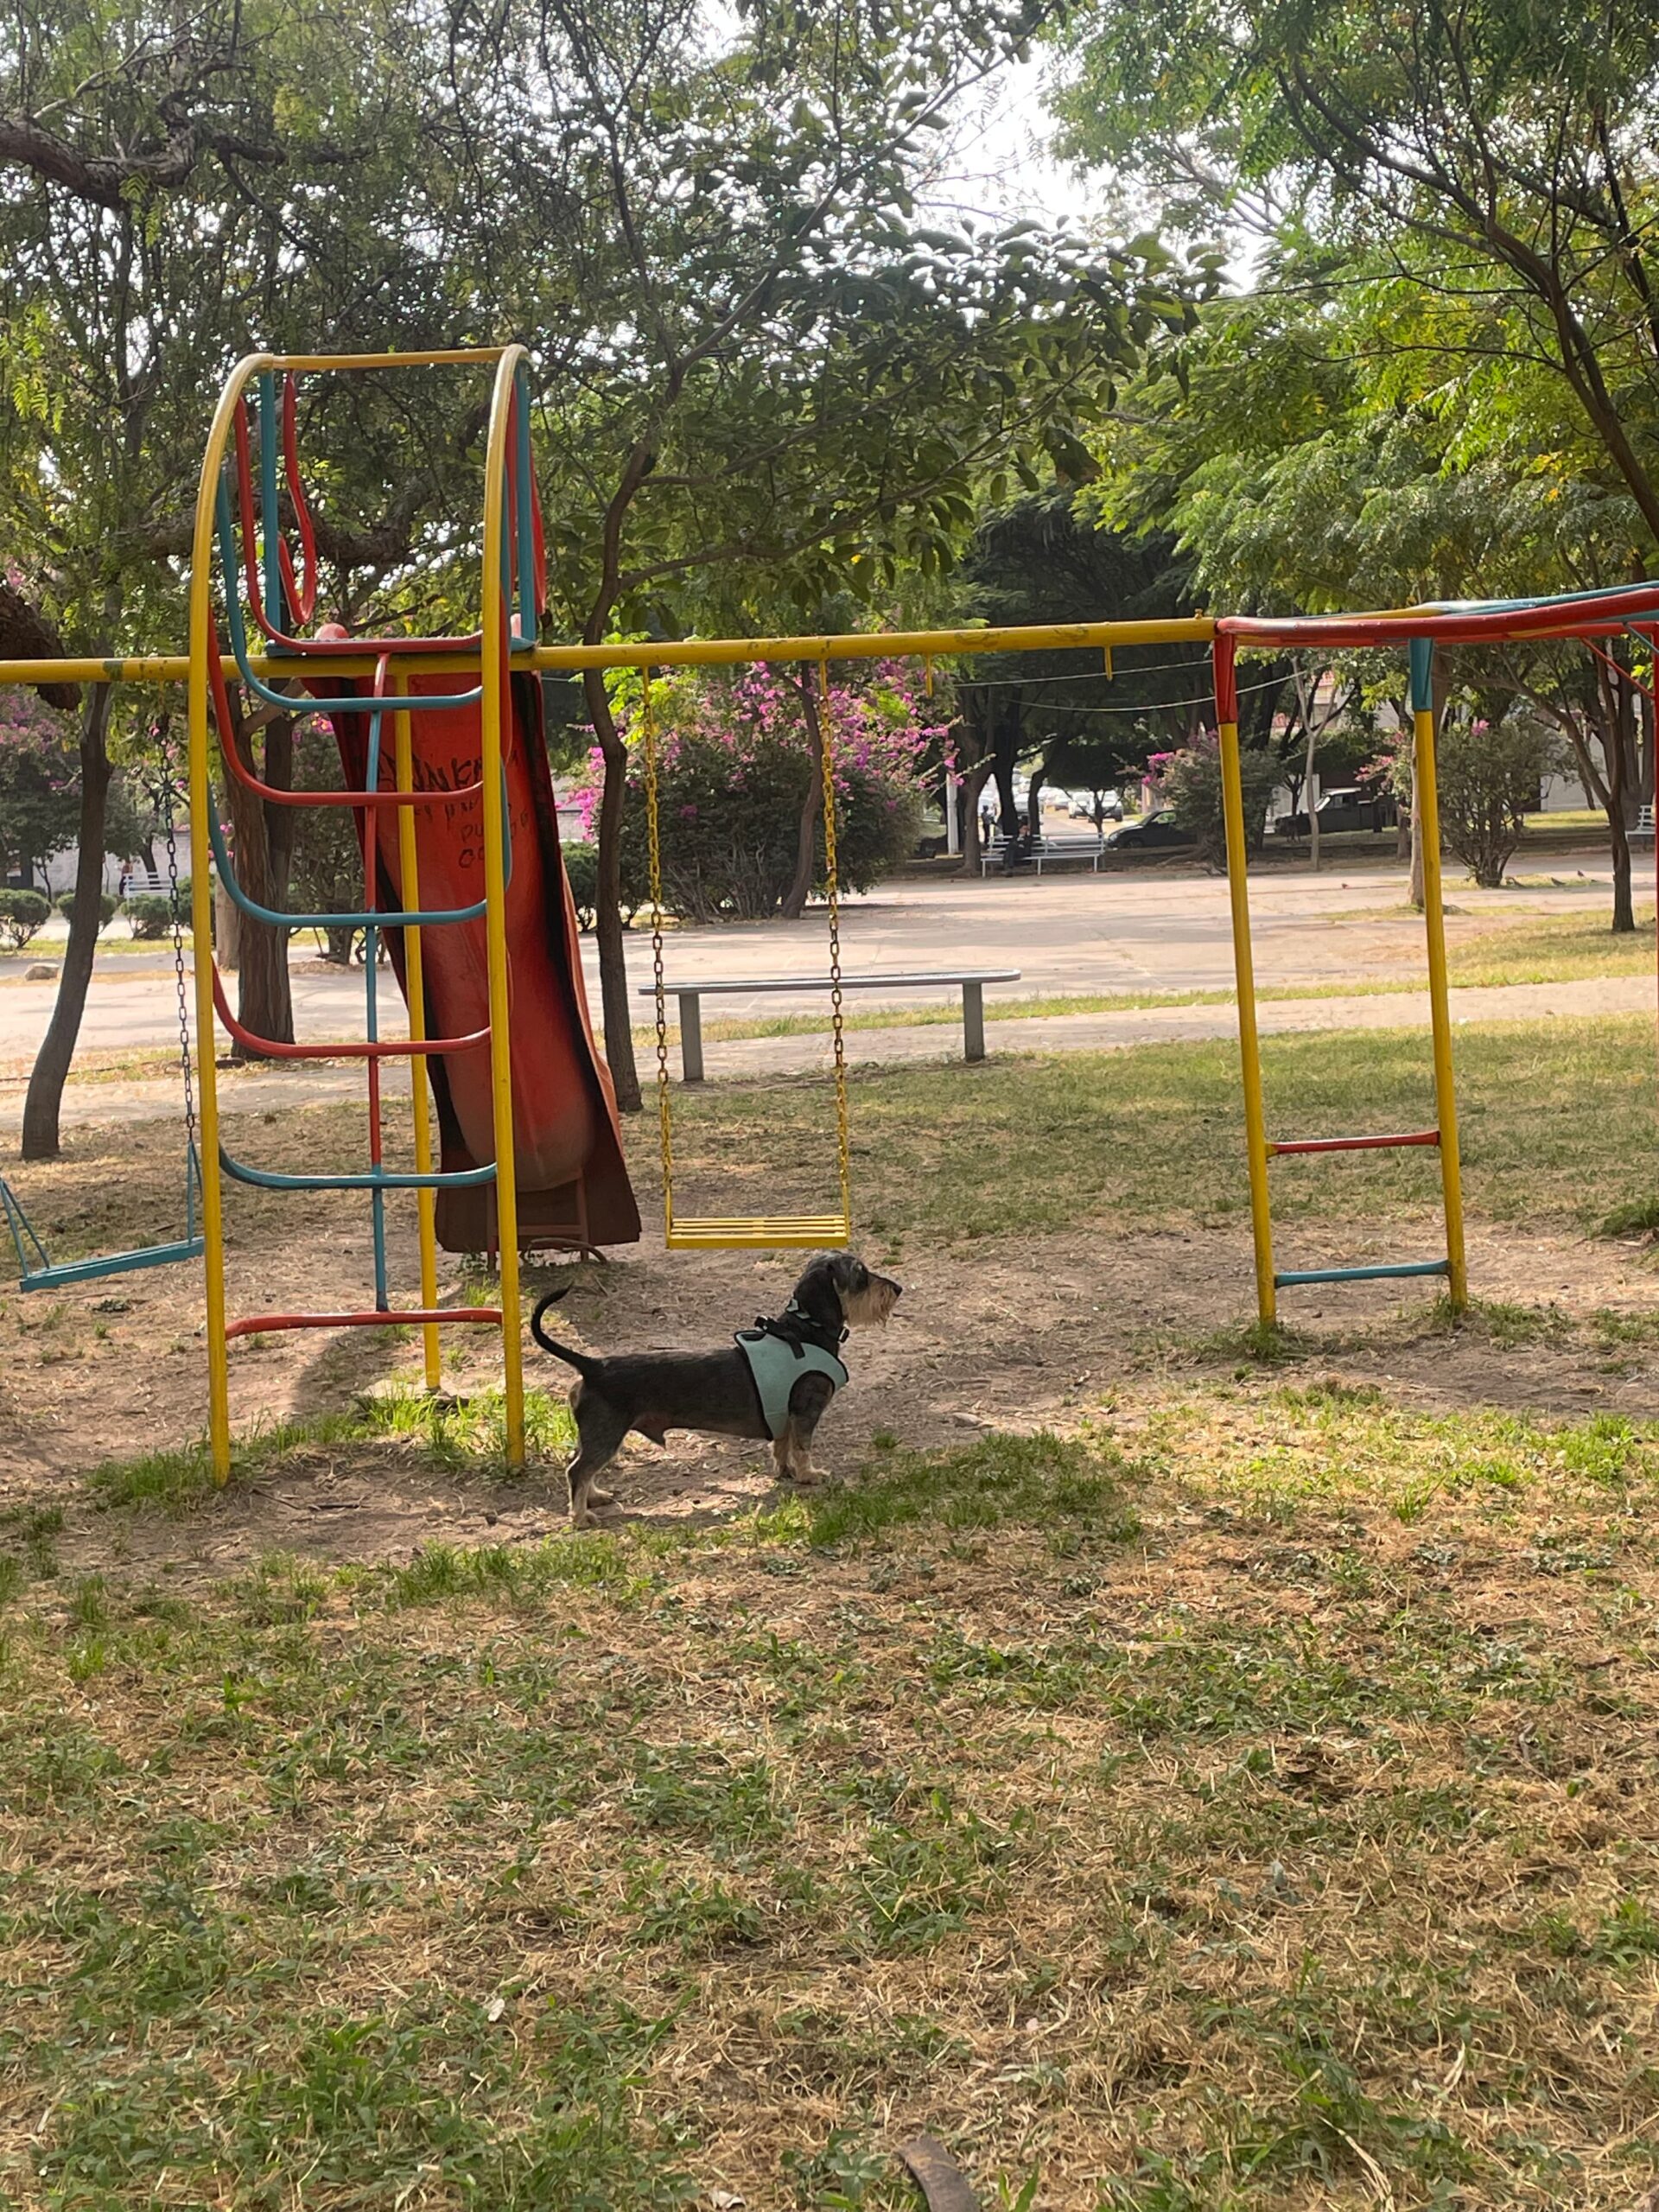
(970,981)
(1050,848)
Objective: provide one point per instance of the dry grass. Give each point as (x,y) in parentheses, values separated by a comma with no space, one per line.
(1245,1801)
(1179,1840)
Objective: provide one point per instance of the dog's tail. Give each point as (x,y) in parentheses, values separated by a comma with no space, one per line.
(579,1360)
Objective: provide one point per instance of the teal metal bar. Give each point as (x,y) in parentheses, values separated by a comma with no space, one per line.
(524,521)
(436,919)
(277,609)
(1363,1274)
(371,830)
(383,1178)
(1422,654)
(350,704)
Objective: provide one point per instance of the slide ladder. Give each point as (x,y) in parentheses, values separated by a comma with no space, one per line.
(463,698)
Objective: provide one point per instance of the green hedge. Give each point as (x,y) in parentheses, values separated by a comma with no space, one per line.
(23,914)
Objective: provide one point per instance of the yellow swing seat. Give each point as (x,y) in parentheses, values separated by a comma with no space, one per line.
(782,1232)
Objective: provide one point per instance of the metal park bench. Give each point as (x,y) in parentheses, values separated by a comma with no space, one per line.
(1047,848)
(970,981)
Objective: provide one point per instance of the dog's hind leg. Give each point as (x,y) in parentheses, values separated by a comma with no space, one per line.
(599,1431)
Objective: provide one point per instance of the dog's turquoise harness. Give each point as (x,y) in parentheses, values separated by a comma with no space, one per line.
(777,1363)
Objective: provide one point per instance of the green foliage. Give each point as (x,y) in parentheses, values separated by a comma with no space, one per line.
(40,795)
(737,769)
(149,916)
(581,857)
(23,914)
(1482,174)
(108,906)
(1193,790)
(1489,773)
(1050,557)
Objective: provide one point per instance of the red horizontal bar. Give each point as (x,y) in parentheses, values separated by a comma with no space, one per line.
(1354,1144)
(339,1048)
(1610,610)
(401,1317)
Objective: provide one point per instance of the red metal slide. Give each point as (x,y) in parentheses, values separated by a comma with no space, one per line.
(573,1180)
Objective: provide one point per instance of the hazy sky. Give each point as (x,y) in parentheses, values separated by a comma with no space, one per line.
(1000,165)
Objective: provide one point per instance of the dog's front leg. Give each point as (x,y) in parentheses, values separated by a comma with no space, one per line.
(807,1401)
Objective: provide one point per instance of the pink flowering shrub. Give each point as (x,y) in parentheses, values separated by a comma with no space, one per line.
(735,768)
(1190,782)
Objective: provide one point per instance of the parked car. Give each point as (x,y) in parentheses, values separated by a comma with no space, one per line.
(1158,829)
(1351,809)
(1083,806)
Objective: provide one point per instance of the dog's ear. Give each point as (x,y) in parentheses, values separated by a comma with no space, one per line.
(818,1293)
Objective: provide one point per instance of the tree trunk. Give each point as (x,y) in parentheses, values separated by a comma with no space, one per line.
(264,1000)
(1005,746)
(806,847)
(972,784)
(1618,746)
(608,919)
(45,1099)
(1034,803)
(227,930)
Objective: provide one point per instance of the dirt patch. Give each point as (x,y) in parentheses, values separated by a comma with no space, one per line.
(1045,1332)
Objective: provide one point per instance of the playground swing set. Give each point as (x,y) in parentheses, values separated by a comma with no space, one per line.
(463,880)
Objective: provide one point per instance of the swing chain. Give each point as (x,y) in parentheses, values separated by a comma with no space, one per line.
(649,732)
(166,791)
(832,896)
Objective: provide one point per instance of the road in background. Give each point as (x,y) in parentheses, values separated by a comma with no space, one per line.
(1158,929)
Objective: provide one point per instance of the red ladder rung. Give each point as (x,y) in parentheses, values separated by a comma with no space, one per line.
(397,1317)
(1354,1144)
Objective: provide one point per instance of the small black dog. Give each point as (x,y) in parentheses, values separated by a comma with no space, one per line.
(775,1382)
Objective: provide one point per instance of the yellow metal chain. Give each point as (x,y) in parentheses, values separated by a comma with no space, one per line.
(653,831)
(832,895)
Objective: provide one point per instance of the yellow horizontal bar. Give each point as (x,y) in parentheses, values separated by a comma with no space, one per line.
(435,356)
(878,644)
(690,652)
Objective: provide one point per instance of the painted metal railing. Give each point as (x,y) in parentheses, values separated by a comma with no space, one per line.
(280,597)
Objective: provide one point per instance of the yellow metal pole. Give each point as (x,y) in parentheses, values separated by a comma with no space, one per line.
(426,1202)
(1249,1050)
(1446,1096)
(494,706)
(689,652)
(203,643)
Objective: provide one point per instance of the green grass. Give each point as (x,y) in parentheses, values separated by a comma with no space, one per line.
(466,1436)
(1291,1861)
(1553,1117)
(1550,949)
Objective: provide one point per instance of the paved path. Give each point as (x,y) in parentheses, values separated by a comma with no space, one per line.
(272,1090)
(1161,929)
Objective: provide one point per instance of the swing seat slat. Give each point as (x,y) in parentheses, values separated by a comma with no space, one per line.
(763,1231)
(111,1263)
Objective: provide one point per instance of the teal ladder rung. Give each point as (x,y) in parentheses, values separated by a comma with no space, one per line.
(1362,1274)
